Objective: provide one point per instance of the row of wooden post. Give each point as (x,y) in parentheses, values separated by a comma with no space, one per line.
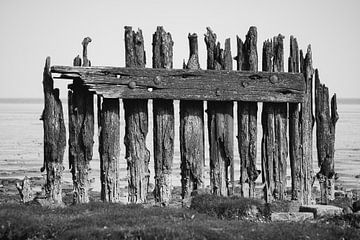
(275,147)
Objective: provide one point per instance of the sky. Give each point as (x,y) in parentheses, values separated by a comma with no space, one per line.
(32,30)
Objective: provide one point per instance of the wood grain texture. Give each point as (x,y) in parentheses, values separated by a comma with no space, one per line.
(325,139)
(109,150)
(220,120)
(274,123)
(81,132)
(281,126)
(163,115)
(294,127)
(191,134)
(307,129)
(54,138)
(188,84)
(247,59)
(136,120)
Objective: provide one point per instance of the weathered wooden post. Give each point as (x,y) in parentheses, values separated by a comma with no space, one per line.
(294,127)
(220,120)
(136,120)
(109,148)
(54,137)
(274,122)
(325,139)
(163,112)
(81,131)
(307,128)
(191,134)
(247,60)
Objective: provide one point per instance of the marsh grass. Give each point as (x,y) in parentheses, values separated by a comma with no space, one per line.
(209,218)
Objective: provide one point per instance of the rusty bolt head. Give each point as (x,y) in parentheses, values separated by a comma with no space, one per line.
(217,92)
(132,85)
(157,80)
(274,79)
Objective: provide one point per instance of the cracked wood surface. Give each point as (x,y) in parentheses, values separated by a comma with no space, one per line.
(188,84)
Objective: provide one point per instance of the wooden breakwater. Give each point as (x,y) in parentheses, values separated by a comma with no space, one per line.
(287,99)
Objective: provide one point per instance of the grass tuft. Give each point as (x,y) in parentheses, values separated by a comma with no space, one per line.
(228,207)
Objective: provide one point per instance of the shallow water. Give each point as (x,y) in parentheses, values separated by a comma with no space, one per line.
(21,144)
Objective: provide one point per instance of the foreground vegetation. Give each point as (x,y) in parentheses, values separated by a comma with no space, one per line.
(208,218)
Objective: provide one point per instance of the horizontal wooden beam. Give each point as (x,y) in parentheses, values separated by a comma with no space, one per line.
(148,83)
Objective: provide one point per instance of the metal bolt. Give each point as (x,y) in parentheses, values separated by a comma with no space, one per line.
(274,79)
(132,85)
(218,93)
(157,80)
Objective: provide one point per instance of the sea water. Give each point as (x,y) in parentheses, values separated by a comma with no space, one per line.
(21,144)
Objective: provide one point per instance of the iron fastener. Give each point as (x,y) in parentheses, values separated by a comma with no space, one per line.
(132,84)
(218,92)
(157,80)
(274,79)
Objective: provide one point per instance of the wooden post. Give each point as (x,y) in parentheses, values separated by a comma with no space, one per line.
(268,124)
(81,132)
(247,60)
(294,127)
(325,139)
(163,111)
(136,120)
(191,134)
(109,150)
(274,122)
(306,129)
(54,137)
(220,120)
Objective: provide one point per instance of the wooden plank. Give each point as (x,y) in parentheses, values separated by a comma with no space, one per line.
(294,127)
(81,132)
(136,124)
(191,135)
(247,117)
(306,130)
(220,120)
(325,139)
(163,111)
(188,84)
(54,138)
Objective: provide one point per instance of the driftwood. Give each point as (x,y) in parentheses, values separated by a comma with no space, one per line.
(247,59)
(294,126)
(163,112)
(188,84)
(220,120)
(136,120)
(191,134)
(325,139)
(54,137)
(274,122)
(81,131)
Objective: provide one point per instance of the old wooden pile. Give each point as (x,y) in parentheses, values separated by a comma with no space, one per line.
(287,99)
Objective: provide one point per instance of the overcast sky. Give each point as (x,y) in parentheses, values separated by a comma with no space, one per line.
(32,30)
